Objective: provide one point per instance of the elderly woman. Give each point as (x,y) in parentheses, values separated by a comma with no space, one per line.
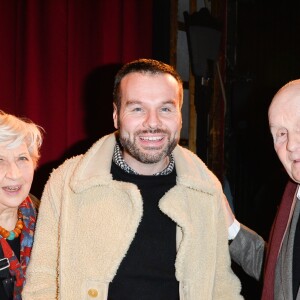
(20,141)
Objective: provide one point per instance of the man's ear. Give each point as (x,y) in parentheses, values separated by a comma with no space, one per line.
(115,115)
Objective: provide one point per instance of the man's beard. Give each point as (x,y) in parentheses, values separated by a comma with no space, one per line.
(146,157)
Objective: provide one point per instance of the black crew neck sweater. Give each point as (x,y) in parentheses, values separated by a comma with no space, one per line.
(148,270)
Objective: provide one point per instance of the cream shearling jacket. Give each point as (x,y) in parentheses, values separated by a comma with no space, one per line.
(87,221)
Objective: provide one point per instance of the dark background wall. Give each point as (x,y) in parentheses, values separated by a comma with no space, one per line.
(263,55)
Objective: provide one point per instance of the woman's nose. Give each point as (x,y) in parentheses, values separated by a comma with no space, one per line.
(13,171)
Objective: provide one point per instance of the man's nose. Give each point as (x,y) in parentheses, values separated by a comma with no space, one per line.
(293,141)
(152,120)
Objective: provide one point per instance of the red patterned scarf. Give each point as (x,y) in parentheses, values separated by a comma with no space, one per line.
(18,268)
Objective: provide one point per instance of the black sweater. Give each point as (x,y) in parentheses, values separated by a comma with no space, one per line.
(147,272)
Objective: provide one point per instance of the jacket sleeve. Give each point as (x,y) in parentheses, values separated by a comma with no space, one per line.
(247,250)
(41,276)
(227,285)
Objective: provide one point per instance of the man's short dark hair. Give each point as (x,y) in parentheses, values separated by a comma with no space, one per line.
(144,66)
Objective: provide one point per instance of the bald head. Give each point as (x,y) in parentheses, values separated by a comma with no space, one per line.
(284,121)
(288,93)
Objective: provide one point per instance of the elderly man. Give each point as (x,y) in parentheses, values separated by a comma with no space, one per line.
(282,271)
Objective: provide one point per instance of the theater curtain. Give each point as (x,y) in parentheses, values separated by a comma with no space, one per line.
(58,59)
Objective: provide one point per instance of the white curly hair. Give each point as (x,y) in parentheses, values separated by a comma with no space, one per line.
(14,131)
